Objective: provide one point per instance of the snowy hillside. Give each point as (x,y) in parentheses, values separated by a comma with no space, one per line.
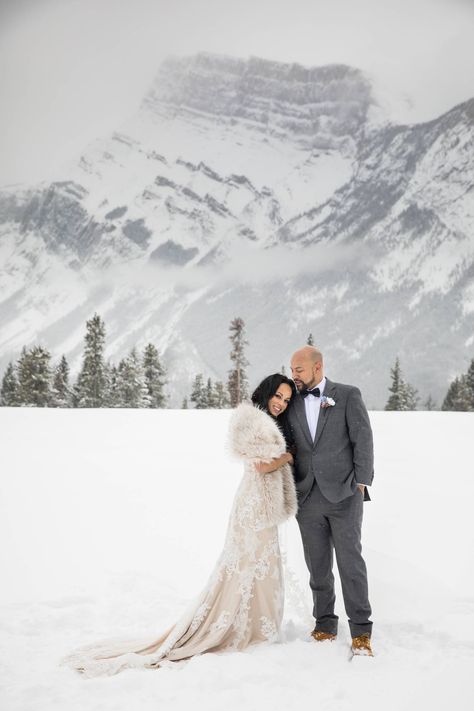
(258,189)
(107,531)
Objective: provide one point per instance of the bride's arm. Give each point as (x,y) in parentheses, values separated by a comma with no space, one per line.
(266,468)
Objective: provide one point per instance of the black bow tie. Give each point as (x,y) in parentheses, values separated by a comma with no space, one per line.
(315,391)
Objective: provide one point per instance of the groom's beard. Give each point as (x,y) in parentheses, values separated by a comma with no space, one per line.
(301,385)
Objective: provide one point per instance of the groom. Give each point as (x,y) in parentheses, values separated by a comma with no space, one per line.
(333,466)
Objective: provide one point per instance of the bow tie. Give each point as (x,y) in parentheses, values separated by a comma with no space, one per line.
(315,391)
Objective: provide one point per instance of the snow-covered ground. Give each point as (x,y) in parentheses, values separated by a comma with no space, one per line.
(111,521)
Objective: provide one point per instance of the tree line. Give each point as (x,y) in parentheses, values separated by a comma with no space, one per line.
(139,380)
(34,381)
(403,396)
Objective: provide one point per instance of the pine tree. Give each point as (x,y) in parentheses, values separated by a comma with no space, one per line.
(34,377)
(111,375)
(184,405)
(221,399)
(429,404)
(9,390)
(310,341)
(457,398)
(210,397)
(154,376)
(23,377)
(403,395)
(470,385)
(91,386)
(410,397)
(131,387)
(237,382)
(61,394)
(198,394)
(395,399)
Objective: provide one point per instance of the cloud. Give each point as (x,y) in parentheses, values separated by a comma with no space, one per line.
(243,266)
(77,69)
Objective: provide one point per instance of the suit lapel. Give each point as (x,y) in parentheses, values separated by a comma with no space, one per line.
(301,415)
(324,412)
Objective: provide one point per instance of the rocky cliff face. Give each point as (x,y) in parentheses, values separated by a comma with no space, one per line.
(320,107)
(258,189)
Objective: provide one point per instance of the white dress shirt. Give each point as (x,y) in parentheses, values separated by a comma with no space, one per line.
(312,405)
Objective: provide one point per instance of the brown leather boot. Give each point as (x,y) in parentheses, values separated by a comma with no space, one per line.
(361,646)
(323,636)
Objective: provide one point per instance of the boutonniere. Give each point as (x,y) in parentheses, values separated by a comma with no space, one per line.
(327,401)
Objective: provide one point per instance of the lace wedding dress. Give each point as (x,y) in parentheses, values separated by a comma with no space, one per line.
(242,603)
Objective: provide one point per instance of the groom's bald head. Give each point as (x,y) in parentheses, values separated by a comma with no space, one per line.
(309,352)
(307,367)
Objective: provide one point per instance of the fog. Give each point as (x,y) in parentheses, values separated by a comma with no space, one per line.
(74,70)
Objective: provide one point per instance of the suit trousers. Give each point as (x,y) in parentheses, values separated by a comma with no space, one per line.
(327,527)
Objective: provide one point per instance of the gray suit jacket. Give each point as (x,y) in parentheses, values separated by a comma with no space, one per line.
(342,454)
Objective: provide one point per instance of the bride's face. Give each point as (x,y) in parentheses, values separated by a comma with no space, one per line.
(279,402)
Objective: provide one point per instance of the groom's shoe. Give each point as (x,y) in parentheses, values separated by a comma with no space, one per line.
(361,646)
(320,636)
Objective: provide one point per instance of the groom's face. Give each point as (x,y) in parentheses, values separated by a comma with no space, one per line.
(305,372)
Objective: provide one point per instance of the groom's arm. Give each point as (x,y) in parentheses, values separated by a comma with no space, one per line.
(360,435)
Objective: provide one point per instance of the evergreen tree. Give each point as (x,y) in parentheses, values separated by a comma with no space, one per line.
(198,394)
(23,377)
(184,406)
(429,404)
(34,377)
(457,397)
(237,383)
(310,341)
(131,387)
(470,385)
(9,390)
(91,386)
(61,394)
(221,399)
(395,399)
(210,396)
(403,395)
(410,397)
(111,374)
(154,374)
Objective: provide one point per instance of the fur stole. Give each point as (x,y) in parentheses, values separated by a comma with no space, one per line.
(254,437)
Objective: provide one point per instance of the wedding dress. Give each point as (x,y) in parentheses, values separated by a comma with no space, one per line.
(242,603)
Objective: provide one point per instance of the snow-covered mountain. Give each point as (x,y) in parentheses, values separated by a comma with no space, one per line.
(264,190)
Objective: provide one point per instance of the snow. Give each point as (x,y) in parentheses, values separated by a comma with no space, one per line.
(151,270)
(111,522)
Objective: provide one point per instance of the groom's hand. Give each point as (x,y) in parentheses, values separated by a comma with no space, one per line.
(361,487)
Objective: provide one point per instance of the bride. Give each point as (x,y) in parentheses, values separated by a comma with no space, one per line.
(242,603)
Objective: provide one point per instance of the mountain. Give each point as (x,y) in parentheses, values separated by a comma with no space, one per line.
(265,190)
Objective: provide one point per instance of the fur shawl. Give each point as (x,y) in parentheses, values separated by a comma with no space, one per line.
(254,437)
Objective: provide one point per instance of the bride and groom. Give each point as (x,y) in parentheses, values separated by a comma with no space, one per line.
(307,449)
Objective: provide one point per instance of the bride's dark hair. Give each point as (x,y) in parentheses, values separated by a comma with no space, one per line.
(266,390)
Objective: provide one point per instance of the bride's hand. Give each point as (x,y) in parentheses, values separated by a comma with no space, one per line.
(266,468)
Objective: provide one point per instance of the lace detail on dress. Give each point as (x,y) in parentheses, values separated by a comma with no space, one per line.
(199,616)
(269,629)
(242,603)
(222,623)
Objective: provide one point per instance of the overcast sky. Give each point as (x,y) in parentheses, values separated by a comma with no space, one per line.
(72,70)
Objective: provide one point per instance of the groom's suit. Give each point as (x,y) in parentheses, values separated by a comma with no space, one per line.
(327,471)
